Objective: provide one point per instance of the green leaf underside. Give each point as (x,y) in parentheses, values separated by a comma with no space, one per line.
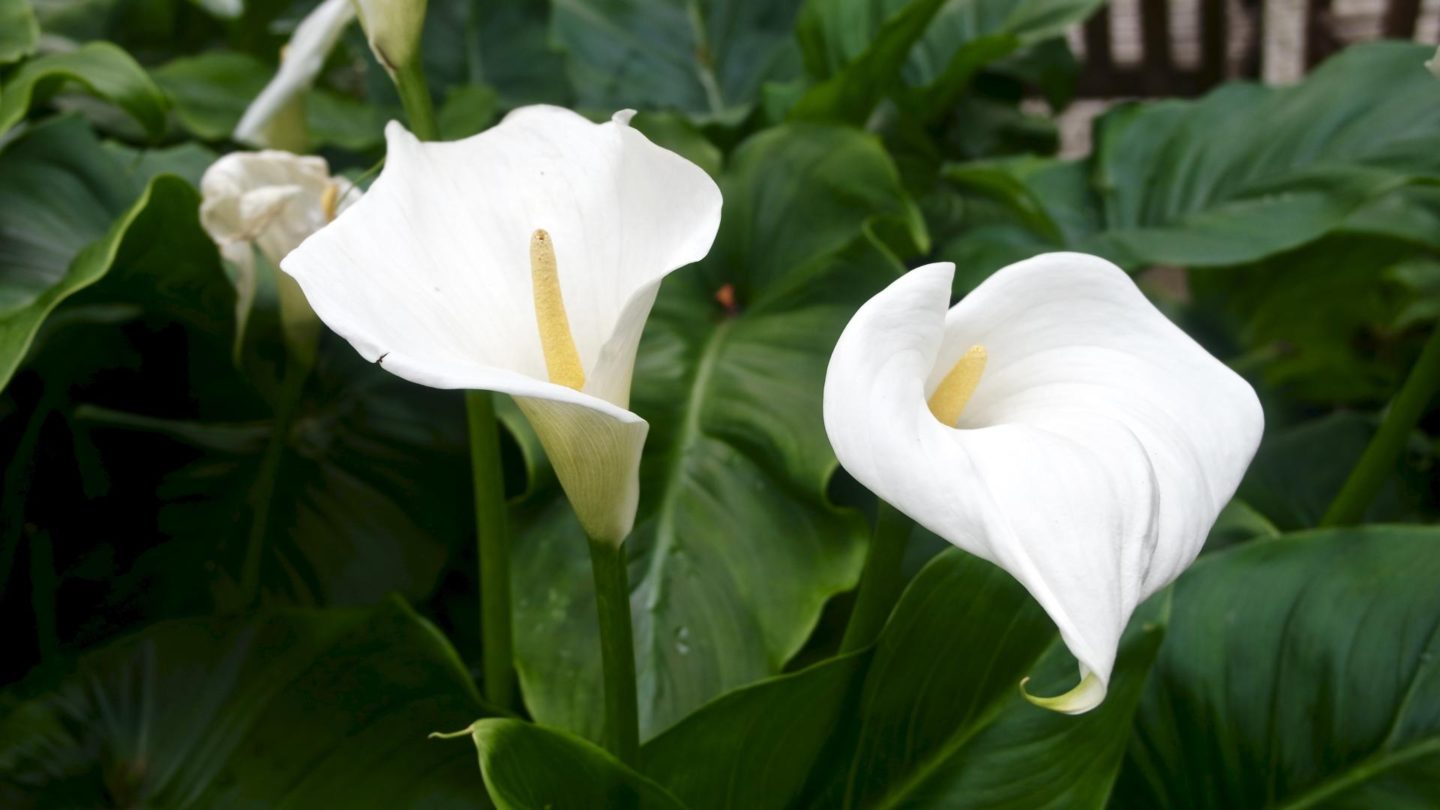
(102,69)
(290,708)
(1299,672)
(736,548)
(929,717)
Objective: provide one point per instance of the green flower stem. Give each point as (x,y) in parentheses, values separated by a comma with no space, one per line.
(882,579)
(617,650)
(492,533)
(494,548)
(415,95)
(1378,462)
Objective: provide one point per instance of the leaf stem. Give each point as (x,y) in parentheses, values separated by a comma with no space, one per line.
(263,494)
(19,474)
(617,650)
(881,580)
(493,545)
(1378,461)
(415,96)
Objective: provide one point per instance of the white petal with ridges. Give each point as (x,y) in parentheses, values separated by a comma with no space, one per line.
(1092,458)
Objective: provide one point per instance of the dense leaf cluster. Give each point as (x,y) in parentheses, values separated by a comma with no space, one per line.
(150,474)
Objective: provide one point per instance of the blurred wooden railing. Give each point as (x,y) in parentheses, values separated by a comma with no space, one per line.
(1221,39)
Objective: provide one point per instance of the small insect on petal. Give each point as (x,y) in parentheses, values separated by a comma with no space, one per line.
(954,391)
(562,359)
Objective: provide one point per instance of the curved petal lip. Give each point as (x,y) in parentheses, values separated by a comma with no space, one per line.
(456,377)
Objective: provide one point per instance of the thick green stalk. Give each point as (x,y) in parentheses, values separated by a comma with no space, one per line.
(415,95)
(15,488)
(42,594)
(1378,462)
(617,650)
(881,580)
(494,548)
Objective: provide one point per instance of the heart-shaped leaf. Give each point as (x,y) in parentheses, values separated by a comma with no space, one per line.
(736,547)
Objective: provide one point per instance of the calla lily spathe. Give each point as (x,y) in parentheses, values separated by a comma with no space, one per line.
(1087,443)
(522,260)
(300,62)
(393,29)
(270,201)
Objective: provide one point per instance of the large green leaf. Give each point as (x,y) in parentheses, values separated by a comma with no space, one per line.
(503,44)
(290,708)
(706,57)
(929,717)
(1319,321)
(102,69)
(736,547)
(18,30)
(1297,672)
(72,212)
(1196,183)
(754,747)
(528,766)
(941,722)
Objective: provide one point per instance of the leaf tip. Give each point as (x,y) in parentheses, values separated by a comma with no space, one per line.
(451,735)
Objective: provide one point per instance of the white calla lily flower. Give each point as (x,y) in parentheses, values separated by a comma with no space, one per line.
(300,63)
(1054,423)
(522,260)
(270,201)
